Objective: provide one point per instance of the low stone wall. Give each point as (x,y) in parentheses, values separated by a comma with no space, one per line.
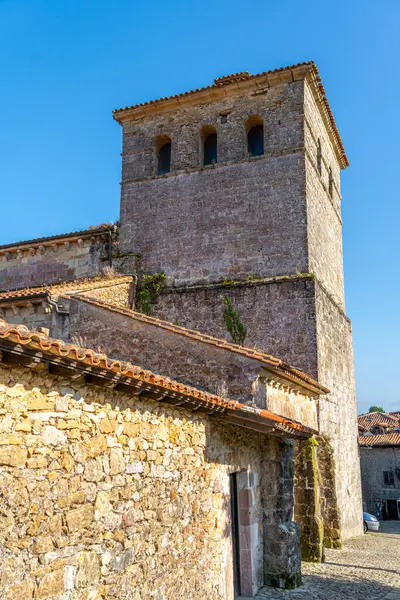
(104,495)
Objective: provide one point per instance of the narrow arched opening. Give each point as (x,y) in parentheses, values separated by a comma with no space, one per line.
(255,136)
(210,141)
(163,152)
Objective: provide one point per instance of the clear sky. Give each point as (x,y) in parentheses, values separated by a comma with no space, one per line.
(66,64)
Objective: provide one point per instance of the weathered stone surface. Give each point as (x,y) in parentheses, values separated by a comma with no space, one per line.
(88,569)
(51,585)
(80,518)
(89,519)
(13,457)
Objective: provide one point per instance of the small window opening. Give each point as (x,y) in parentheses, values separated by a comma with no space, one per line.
(330,182)
(163,149)
(388,477)
(209,137)
(255,136)
(210,149)
(319,157)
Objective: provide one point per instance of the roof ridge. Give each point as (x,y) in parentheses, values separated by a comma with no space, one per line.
(263,357)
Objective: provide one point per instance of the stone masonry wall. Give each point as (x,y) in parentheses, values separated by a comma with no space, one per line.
(46,265)
(242,216)
(324,222)
(338,411)
(104,495)
(297,321)
(373,462)
(279,315)
(185,359)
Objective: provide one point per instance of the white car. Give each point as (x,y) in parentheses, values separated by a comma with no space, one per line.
(371,523)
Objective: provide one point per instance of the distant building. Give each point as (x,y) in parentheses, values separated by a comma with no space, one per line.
(380,462)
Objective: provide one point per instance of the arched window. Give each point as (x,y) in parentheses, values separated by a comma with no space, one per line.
(163,150)
(319,157)
(255,136)
(209,136)
(330,182)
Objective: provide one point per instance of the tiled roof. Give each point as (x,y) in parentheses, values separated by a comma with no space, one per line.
(236,77)
(385,439)
(76,285)
(373,419)
(74,355)
(72,234)
(267,359)
(395,414)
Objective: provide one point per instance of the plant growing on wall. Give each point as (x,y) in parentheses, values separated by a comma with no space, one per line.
(234,325)
(148,291)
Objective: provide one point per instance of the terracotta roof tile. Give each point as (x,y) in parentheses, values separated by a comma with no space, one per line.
(370,420)
(385,439)
(233,79)
(23,337)
(64,286)
(267,359)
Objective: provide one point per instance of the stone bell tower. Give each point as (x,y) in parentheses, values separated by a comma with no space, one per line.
(234,190)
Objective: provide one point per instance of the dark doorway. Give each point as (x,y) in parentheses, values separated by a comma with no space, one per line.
(392,510)
(235,533)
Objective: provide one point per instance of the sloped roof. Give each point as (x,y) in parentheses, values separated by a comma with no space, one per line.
(76,285)
(286,75)
(266,359)
(76,357)
(52,238)
(370,420)
(385,439)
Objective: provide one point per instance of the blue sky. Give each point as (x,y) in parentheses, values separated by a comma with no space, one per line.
(65,65)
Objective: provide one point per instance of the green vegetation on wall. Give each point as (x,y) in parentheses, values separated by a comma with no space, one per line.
(150,287)
(234,325)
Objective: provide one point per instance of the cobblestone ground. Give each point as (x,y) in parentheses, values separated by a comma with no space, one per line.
(368,568)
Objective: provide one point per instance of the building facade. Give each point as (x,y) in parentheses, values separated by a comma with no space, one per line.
(379,440)
(206,456)
(261,224)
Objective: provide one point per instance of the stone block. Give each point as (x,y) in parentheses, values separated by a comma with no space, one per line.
(51,585)
(80,518)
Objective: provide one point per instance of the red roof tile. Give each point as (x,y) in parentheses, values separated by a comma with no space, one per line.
(76,285)
(374,419)
(267,359)
(385,439)
(21,336)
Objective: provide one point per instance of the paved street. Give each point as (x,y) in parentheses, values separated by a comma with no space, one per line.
(368,568)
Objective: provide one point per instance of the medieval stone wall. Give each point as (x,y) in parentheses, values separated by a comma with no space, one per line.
(105,495)
(186,359)
(324,222)
(279,315)
(338,410)
(46,264)
(374,461)
(242,216)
